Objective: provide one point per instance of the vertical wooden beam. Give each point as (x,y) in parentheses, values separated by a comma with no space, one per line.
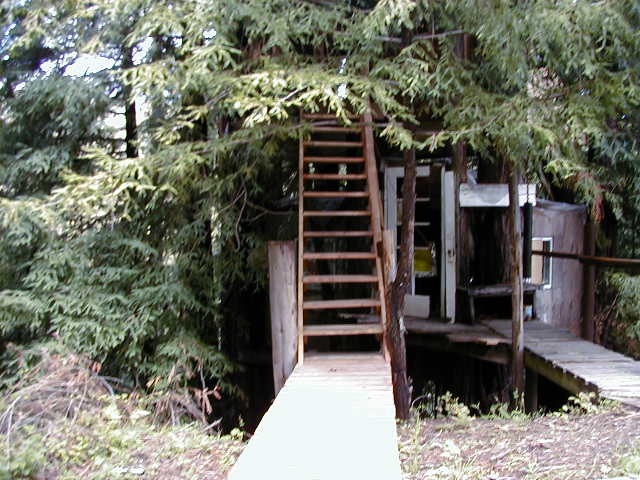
(589,282)
(465,251)
(464,236)
(527,239)
(531,391)
(283,307)
(517,304)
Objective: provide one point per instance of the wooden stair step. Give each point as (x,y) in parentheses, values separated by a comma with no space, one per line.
(334,128)
(342,329)
(352,303)
(338,304)
(336,213)
(332,143)
(320,159)
(339,255)
(367,318)
(337,194)
(335,176)
(337,233)
(340,279)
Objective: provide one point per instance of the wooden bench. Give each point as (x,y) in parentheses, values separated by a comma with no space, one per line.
(492,291)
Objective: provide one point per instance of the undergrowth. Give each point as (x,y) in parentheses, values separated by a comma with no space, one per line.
(63,421)
(447,440)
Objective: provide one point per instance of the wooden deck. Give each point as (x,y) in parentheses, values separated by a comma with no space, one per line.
(576,364)
(334,419)
(477,341)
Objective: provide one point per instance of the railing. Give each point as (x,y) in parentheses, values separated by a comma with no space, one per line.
(375,203)
(372,178)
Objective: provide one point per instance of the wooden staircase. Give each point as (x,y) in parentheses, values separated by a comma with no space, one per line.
(340,278)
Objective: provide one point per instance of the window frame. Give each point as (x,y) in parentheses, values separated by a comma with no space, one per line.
(546,285)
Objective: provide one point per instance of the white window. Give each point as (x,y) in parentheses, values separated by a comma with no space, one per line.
(541,267)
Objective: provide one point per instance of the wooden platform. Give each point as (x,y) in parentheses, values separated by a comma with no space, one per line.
(334,419)
(454,332)
(477,341)
(576,364)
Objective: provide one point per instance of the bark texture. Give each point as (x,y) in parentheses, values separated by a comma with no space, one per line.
(400,287)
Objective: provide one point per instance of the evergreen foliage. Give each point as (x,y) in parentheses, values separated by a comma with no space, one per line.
(141,261)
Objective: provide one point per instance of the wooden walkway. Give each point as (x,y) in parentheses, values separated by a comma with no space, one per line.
(334,419)
(576,364)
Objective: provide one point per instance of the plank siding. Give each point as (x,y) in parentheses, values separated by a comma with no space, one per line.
(283,307)
(561,305)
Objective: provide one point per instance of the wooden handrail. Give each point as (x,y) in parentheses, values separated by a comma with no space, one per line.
(591,259)
(372,177)
(375,203)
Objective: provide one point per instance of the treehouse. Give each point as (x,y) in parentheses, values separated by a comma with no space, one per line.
(330,292)
(351,191)
(332,306)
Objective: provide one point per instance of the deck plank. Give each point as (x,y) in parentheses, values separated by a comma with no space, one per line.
(334,419)
(577,363)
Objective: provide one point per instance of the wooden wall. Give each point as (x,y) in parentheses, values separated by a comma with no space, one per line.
(561,304)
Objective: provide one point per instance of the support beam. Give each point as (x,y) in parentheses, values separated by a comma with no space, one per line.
(589,283)
(499,354)
(531,391)
(517,304)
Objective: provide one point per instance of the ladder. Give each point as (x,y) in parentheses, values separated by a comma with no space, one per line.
(340,277)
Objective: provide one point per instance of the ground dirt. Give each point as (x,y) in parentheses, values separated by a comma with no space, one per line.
(567,447)
(62,421)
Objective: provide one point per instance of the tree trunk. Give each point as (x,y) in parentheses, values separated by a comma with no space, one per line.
(400,288)
(517,306)
(130,120)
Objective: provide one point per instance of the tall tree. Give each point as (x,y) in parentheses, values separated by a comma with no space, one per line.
(145,254)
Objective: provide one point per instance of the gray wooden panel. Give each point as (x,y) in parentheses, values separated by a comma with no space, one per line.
(561,305)
(493,194)
(284,310)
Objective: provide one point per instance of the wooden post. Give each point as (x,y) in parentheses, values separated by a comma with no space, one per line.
(464,235)
(283,306)
(531,391)
(589,281)
(517,304)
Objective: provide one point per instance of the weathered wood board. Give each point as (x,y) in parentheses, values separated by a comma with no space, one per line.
(333,420)
(560,305)
(494,195)
(283,309)
(576,364)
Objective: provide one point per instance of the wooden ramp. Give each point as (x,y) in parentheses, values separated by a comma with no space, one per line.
(576,364)
(334,419)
